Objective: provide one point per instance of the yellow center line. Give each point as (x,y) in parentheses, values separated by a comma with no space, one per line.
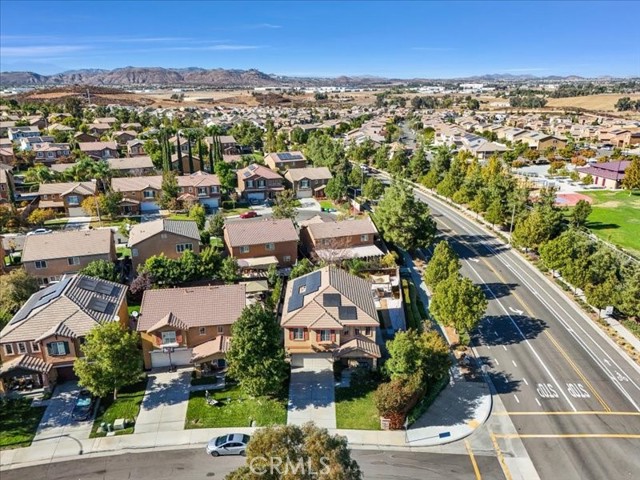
(569,435)
(590,412)
(473,460)
(577,370)
(503,463)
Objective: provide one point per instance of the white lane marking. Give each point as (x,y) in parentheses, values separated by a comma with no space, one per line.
(504,346)
(514,363)
(607,362)
(516,397)
(496,360)
(517,312)
(538,402)
(577,390)
(488,347)
(475,260)
(525,381)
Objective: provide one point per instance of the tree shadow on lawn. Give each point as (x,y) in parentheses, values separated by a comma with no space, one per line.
(602,226)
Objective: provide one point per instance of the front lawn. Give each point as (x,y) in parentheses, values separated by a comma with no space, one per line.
(228,212)
(123,251)
(180,216)
(236,410)
(18,423)
(126,406)
(355,408)
(615,218)
(56,222)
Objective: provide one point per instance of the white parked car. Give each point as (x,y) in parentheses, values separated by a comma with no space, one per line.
(39,231)
(231,444)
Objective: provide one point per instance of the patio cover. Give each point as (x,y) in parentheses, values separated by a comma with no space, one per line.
(257,262)
(27,363)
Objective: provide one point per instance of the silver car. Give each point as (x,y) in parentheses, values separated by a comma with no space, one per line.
(232,444)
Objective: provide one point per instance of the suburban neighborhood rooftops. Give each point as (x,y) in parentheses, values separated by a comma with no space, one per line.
(72,243)
(311,173)
(285,157)
(342,228)
(135,184)
(192,307)
(260,231)
(64,188)
(130,163)
(608,170)
(96,146)
(258,170)
(143,231)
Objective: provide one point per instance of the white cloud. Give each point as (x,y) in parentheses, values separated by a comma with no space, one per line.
(39,50)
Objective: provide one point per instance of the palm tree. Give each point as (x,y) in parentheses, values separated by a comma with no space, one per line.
(39,174)
(100,170)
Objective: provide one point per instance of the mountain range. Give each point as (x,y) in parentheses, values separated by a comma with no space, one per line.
(219,77)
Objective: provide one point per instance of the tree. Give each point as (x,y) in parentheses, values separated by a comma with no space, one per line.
(256,356)
(229,270)
(101,269)
(496,213)
(285,205)
(403,219)
(411,352)
(162,270)
(580,213)
(418,165)
(336,188)
(197,213)
(630,294)
(631,179)
(40,174)
(15,289)
(307,452)
(216,225)
(373,189)
(605,293)
(40,215)
(111,360)
(140,284)
(391,399)
(458,303)
(226,175)
(570,254)
(443,263)
(530,231)
(169,190)
(302,267)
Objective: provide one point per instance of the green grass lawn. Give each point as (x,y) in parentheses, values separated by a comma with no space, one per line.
(123,251)
(18,423)
(355,408)
(180,216)
(56,222)
(237,410)
(616,218)
(227,212)
(126,406)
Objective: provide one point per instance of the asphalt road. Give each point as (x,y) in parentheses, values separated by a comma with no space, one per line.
(573,398)
(195,464)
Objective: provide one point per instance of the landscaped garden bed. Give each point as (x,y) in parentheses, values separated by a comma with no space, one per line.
(126,406)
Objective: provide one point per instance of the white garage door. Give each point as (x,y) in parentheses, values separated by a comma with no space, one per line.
(317,361)
(181,356)
(77,212)
(255,196)
(149,207)
(210,202)
(305,193)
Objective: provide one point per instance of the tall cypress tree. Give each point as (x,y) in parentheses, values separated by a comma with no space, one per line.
(180,167)
(200,155)
(190,154)
(166,165)
(167,149)
(211,165)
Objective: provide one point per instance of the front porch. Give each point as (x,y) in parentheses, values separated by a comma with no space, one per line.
(24,376)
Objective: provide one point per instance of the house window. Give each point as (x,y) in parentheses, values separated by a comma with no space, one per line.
(249,183)
(73,260)
(202,331)
(149,194)
(22,348)
(50,154)
(244,249)
(325,335)
(286,258)
(35,346)
(364,237)
(304,183)
(181,247)
(169,337)
(73,200)
(298,334)
(202,191)
(269,246)
(367,331)
(345,332)
(261,183)
(45,197)
(356,331)
(57,349)
(134,252)
(163,236)
(8,349)
(40,264)
(220,330)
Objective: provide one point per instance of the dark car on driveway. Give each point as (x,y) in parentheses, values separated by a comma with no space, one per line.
(84,406)
(249,214)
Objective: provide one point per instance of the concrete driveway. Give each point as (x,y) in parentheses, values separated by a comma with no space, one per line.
(165,402)
(312,397)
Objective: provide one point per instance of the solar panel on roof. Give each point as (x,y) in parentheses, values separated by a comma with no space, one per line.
(98,304)
(88,284)
(105,288)
(313,281)
(331,299)
(39,299)
(347,313)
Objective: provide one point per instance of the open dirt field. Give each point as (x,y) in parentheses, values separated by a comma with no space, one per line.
(602,103)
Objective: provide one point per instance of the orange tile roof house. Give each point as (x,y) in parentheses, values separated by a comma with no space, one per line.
(285,160)
(168,237)
(195,323)
(40,343)
(257,182)
(66,197)
(50,256)
(330,315)
(260,243)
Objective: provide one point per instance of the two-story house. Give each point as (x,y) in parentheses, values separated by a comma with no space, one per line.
(7,187)
(27,144)
(257,182)
(134,166)
(40,343)
(285,160)
(330,315)
(16,133)
(201,187)
(308,182)
(50,152)
(194,323)
(135,147)
(66,197)
(99,150)
(122,137)
(169,237)
(98,129)
(228,144)
(260,243)
(340,240)
(82,137)
(50,256)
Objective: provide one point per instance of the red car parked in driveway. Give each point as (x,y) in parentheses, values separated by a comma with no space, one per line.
(249,214)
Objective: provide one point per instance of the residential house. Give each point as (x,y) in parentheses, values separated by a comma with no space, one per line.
(132,126)
(606,174)
(228,144)
(99,150)
(339,240)
(285,160)
(82,137)
(198,165)
(26,144)
(41,342)
(257,182)
(98,129)
(50,256)
(110,121)
(308,182)
(260,243)
(66,197)
(201,187)
(541,141)
(136,166)
(169,237)
(5,125)
(194,323)
(7,186)
(330,316)
(16,133)
(122,137)
(135,147)
(50,152)
(6,155)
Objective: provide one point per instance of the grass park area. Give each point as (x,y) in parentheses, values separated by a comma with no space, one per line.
(126,406)
(236,409)
(18,423)
(355,407)
(616,218)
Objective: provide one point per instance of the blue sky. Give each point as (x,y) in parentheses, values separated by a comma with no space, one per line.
(392,39)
